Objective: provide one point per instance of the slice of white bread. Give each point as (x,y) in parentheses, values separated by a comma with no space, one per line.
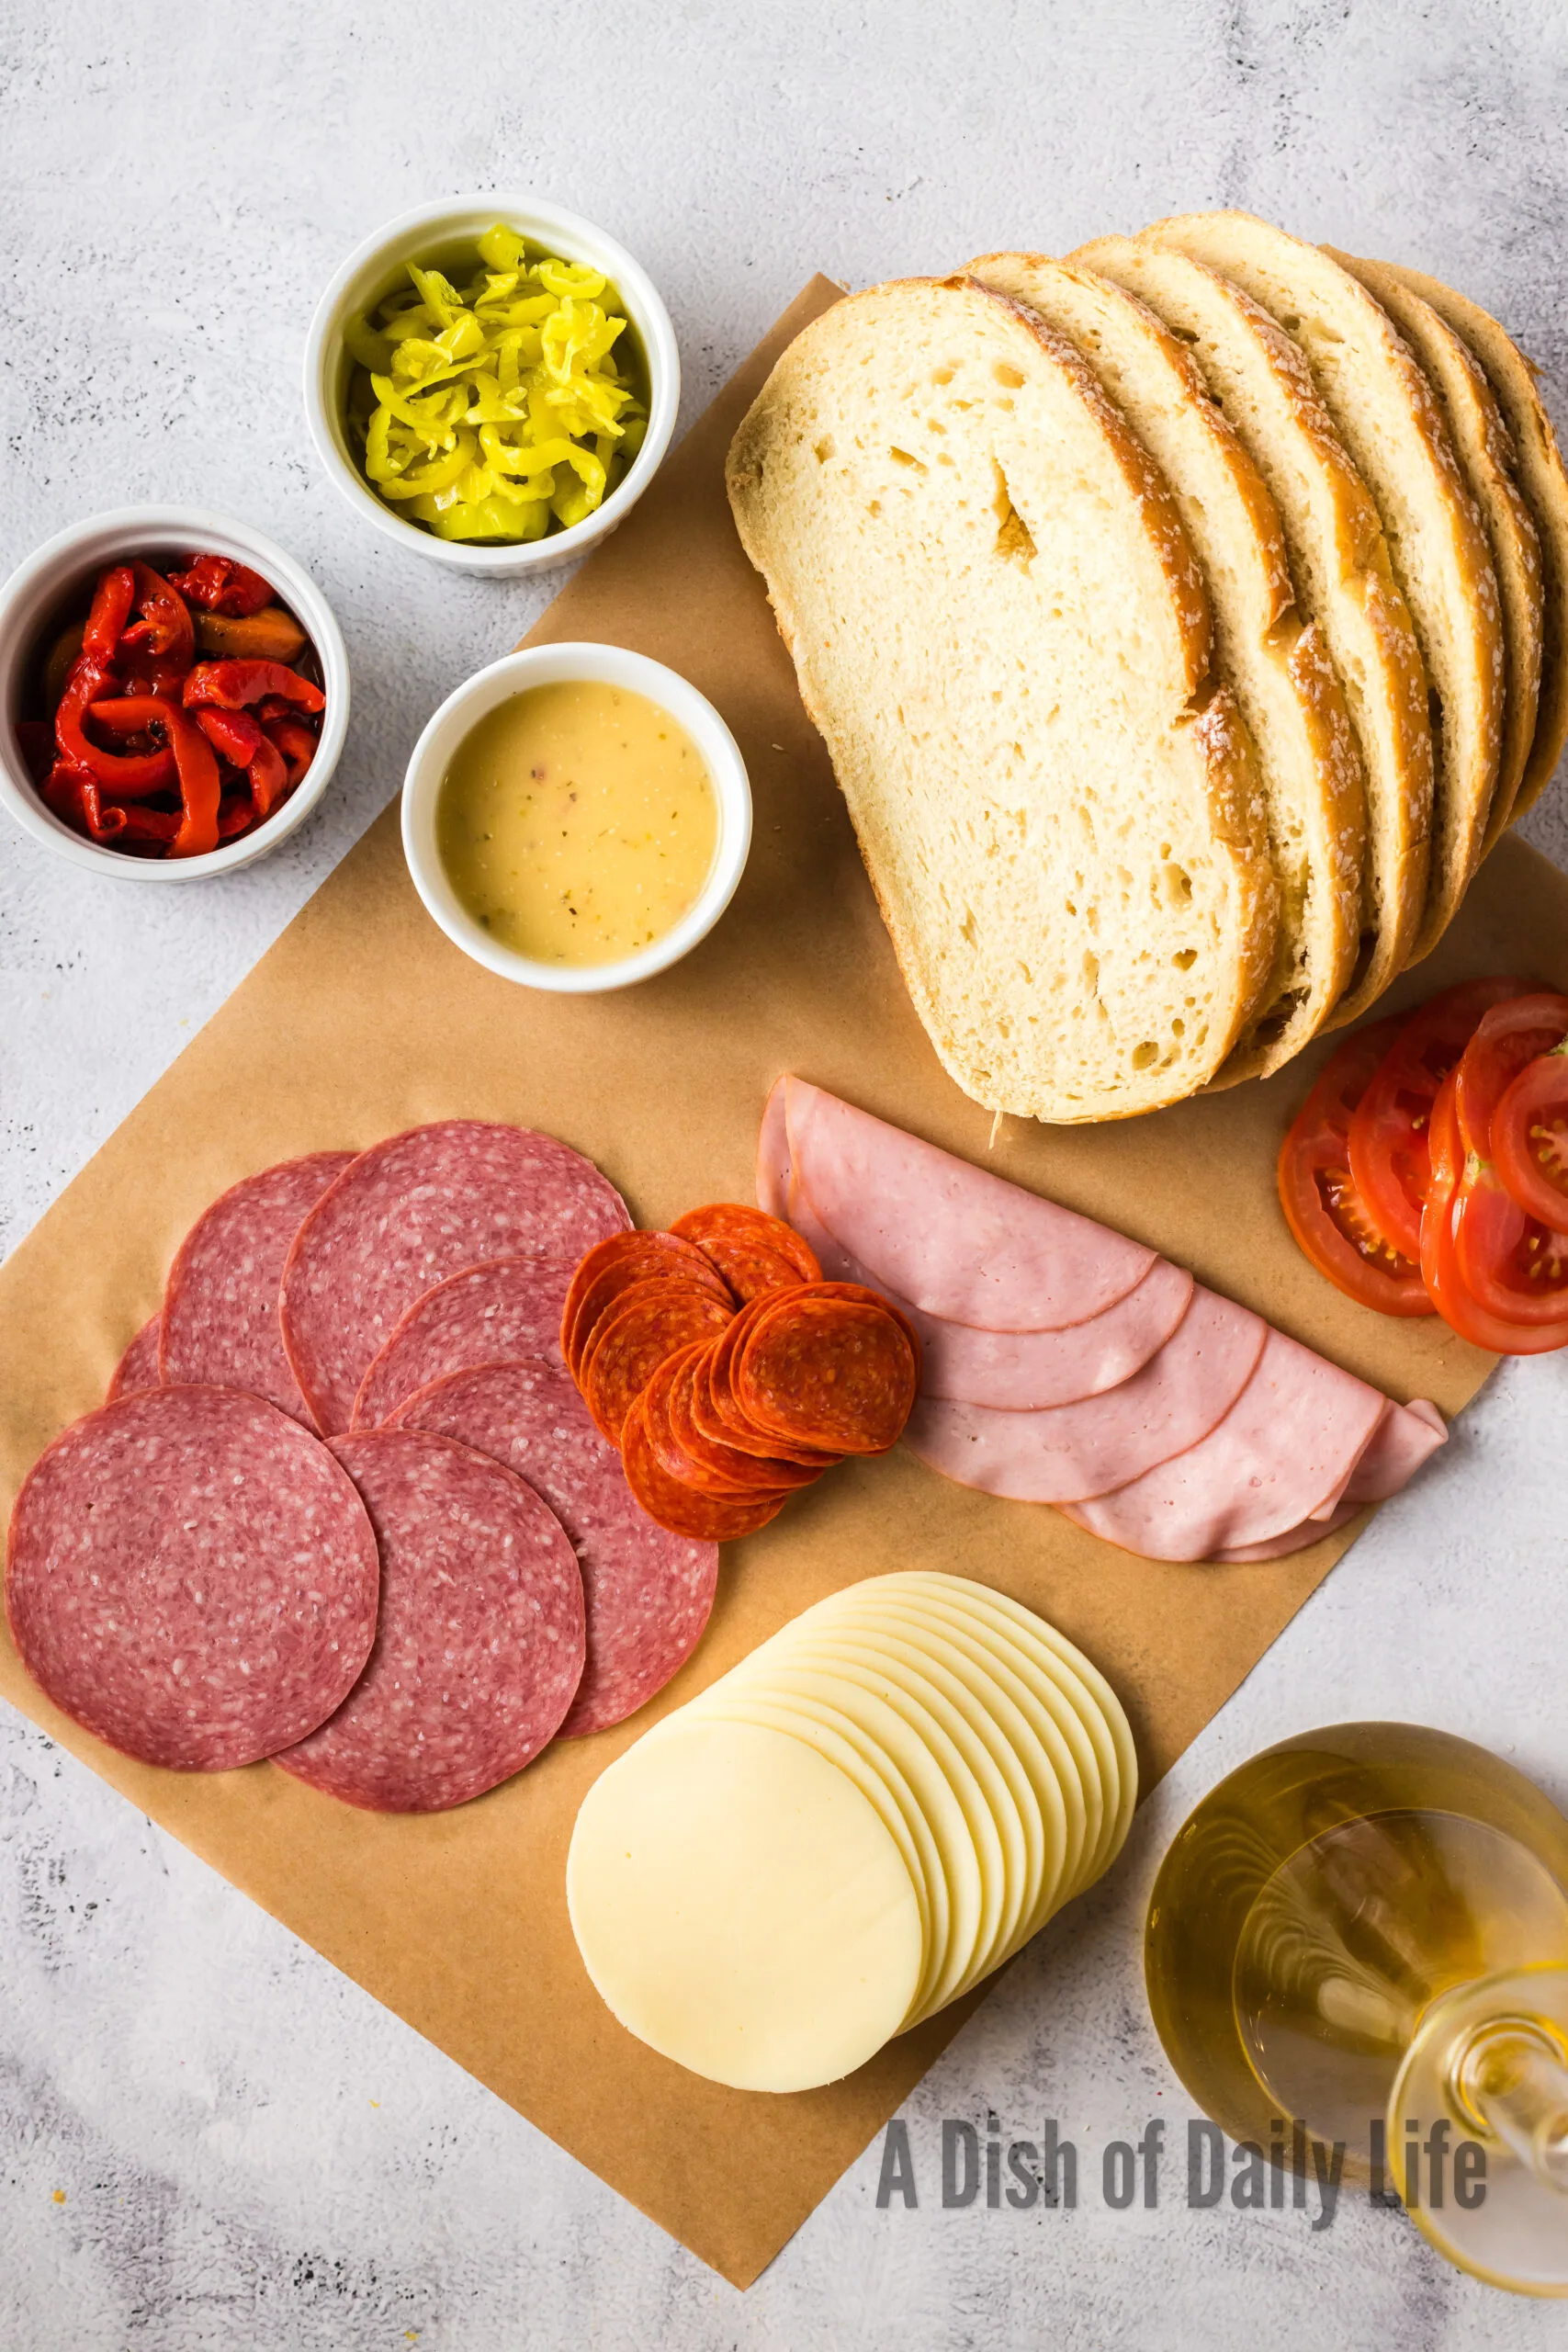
(1339,562)
(1280,671)
(1485,447)
(1393,430)
(1000,630)
(1544,483)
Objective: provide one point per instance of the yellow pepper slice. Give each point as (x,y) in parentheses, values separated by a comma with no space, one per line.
(495,409)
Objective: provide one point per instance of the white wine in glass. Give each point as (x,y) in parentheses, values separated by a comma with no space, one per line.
(1364,1932)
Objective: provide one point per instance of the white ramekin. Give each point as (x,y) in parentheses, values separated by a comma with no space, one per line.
(39,593)
(370,274)
(550,665)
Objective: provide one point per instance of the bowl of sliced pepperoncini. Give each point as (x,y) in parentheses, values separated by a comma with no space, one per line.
(492,382)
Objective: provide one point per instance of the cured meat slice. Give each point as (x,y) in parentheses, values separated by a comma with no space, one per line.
(755,1252)
(220,1322)
(708,1518)
(410,1212)
(1070,1452)
(646,1324)
(686,1456)
(1288,1445)
(1022,1371)
(1403,1440)
(510,1307)
(137,1367)
(958,1241)
(612,1267)
(192,1577)
(834,1372)
(718,1417)
(479,1647)
(647,1593)
(1294,1538)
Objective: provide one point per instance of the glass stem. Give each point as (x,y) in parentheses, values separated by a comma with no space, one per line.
(1512,2076)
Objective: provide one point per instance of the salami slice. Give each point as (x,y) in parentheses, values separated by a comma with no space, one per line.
(192,1577)
(612,1267)
(647,1323)
(834,1372)
(406,1215)
(712,1519)
(648,1592)
(479,1647)
(137,1367)
(221,1323)
(753,1251)
(510,1307)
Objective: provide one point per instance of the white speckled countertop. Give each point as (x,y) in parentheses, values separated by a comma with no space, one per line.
(209,2139)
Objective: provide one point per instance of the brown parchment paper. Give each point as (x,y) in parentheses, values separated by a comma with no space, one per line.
(362,1019)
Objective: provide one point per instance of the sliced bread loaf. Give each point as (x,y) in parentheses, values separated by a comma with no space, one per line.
(1544,483)
(1280,671)
(1485,450)
(1339,563)
(1000,627)
(1391,424)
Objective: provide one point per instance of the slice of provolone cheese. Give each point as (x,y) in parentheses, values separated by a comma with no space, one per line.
(741,1906)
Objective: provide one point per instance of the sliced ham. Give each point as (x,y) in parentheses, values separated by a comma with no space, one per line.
(1288,1445)
(1395,1451)
(1073,1451)
(954,1241)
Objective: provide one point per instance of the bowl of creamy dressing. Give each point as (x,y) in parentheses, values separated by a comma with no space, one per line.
(576,818)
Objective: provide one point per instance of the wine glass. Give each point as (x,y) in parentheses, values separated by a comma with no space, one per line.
(1360,1937)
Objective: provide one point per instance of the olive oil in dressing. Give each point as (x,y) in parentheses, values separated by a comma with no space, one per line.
(577,823)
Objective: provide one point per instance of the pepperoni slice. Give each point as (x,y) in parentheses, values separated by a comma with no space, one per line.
(686,1456)
(755,1253)
(718,1417)
(611,1267)
(647,1323)
(705,1519)
(828,1371)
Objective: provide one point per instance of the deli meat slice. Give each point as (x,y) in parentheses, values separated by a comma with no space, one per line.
(1401,1442)
(958,1242)
(480,1646)
(647,1594)
(192,1577)
(1289,1445)
(510,1307)
(410,1212)
(219,1321)
(1070,1452)
(137,1367)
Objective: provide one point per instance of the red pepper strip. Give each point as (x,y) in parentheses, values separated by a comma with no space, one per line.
(220,585)
(296,743)
(200,789)
(164,628)
(235,733)
(130,775)
(233,685)
(149,824)
(270,779)
(35,738)
(75,798)
(112,601)
(236,815)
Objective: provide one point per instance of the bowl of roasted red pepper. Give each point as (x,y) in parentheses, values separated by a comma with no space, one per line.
(1427,1172)
(174,694)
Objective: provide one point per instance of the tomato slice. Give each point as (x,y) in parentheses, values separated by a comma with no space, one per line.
(1506,1038)
(1389,1156)
(1529,1137)
(1318,1194)
(1450,1212)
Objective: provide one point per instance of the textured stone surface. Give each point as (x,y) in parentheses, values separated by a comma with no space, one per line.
(249,2151)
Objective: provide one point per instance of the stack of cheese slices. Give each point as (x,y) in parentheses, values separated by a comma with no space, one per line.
(848,1831)
(1185,620)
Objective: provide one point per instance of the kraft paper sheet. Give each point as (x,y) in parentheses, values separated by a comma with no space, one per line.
(362,1019)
